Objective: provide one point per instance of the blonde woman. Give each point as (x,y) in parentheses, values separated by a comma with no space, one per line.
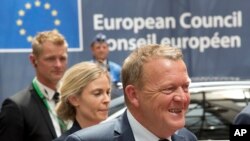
(85,96)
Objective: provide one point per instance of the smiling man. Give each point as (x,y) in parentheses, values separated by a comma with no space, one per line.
(156,89)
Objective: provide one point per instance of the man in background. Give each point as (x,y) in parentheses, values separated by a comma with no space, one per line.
(100,52)
(29,115)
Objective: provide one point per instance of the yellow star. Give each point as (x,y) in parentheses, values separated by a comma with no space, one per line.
(54,13)
(29,38)
(22,31)
(28,6)
(57,22)
(21,12)
(47,6)
(19,22)
(37,3)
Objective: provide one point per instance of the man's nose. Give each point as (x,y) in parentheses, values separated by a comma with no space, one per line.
(58,62)
(180,95)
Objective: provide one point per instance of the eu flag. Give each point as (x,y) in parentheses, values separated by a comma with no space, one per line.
(20,20)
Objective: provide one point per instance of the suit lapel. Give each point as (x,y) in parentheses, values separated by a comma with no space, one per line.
(44,112)
(176,137)
(122,129)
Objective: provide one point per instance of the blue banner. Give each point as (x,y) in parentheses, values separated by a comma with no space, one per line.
(213,34)
(22,19)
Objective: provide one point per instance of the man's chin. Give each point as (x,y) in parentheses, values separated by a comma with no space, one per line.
(56,79)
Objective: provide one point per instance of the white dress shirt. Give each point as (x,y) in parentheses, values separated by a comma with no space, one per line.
(140,132)
(48,94)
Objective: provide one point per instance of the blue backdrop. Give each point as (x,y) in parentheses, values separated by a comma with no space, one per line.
(213,34)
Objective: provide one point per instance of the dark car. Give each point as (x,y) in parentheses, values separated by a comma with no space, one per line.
(212,109)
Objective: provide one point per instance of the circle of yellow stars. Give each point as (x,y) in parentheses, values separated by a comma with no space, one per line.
(28,6)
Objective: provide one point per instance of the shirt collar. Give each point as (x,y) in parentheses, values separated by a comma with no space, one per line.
(46,91)
(139,131)
(103,62)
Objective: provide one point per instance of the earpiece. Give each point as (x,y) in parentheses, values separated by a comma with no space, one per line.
(35,63)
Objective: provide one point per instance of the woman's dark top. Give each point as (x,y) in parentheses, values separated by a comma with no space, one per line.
(75,127)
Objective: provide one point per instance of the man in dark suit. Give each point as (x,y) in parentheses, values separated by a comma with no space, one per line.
(29,115)
(156,90)
(243,117)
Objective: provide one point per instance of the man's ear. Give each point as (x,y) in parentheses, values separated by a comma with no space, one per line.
(73,100)
(132,95)
(33,60)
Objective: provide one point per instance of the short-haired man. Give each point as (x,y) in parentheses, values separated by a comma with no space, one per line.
(29,115)
(100,52)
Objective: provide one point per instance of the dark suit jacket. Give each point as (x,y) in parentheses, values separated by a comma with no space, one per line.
(119,130)
(243,117)
(75,127)
(24,117)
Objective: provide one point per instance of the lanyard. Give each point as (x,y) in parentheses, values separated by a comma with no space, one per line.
(39,93)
